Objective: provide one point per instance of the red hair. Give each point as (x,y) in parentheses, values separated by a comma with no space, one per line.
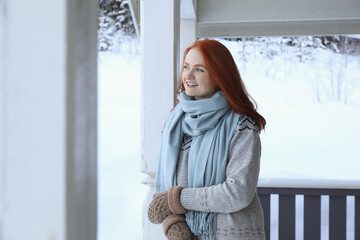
(225,76)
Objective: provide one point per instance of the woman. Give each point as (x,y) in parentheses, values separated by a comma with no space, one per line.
(210,153)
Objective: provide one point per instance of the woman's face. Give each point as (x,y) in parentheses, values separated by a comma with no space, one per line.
(195,76)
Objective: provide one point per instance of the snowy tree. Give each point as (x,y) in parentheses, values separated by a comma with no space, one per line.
(115,24)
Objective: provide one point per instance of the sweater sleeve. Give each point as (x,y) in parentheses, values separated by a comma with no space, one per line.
(242,173)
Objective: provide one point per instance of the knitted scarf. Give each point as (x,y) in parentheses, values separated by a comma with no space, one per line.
(211,123)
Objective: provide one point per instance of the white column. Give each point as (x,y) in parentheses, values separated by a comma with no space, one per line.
(188,34)
(81,119)
(160,23)
(48,119)
(187,25)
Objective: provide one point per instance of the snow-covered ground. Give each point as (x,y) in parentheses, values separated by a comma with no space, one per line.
(309,134)
(304,137)
(120,192)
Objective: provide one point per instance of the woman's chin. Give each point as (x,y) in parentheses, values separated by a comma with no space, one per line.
(190,93)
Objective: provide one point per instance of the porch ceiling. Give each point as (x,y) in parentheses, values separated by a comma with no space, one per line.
(278,17)
(230,18)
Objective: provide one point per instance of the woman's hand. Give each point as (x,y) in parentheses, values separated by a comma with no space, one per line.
(165,204)
(159,208)
(176,228)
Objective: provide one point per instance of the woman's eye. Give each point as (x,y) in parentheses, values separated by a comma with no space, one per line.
(186,67)
(199,70)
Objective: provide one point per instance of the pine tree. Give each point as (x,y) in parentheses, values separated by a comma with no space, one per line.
(115,23)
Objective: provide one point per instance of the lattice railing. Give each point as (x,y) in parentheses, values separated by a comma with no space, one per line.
(312,211)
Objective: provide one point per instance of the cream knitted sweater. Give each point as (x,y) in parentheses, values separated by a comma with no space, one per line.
(239,213)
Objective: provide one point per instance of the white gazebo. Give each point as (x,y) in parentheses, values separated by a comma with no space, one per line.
(167,27)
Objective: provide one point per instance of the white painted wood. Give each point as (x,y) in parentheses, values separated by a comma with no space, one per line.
(47,102)
(277,18)
(187,25)
(212,11)
(135,14)
(188,9)
(309,183)
(33,111)
(81,120)
(233,18)
(3,70)
(187,35)
(279,28)
(159,70)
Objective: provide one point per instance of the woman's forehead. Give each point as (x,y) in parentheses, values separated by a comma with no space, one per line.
(194,57)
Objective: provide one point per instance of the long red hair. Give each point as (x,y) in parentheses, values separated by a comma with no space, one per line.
(225,76)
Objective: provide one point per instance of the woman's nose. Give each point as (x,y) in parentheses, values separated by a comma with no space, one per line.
(189,74)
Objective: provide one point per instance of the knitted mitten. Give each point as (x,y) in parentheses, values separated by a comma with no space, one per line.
(159,208)
(176,228)
(174,200)
(164,204)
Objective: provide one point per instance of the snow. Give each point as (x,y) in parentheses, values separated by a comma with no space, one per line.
(120,192)
(355,36)
(304,137)
(311,133)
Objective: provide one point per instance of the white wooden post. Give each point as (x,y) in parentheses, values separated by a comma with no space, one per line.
(48,133)
(159,70)
(187,25)
(81,120)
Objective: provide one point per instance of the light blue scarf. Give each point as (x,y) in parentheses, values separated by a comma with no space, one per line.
(211,123)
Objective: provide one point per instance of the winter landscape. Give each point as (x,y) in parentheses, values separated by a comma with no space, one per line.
(309,94)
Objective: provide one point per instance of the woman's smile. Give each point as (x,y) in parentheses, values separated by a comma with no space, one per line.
(189,84)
